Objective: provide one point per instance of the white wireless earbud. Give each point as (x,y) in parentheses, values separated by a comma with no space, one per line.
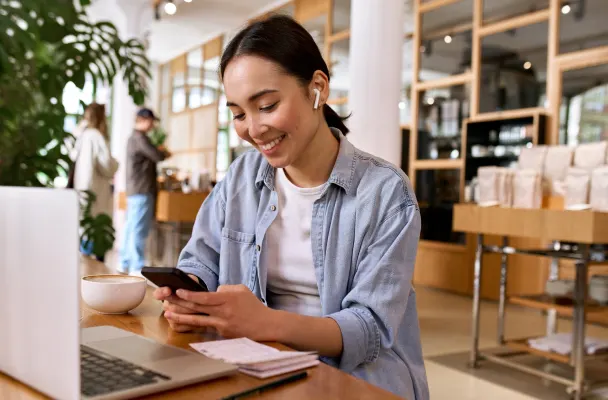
(317,98)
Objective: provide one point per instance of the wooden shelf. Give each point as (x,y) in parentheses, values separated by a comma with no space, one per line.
(509,114)
(590,227)
(514,22)
(522,345)
(563,306)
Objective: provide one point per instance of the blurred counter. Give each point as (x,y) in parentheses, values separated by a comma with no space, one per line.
(173,206)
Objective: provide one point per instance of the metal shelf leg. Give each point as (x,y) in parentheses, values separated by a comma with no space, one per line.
(502,294)
(552,314)
(474,357)
(578,337)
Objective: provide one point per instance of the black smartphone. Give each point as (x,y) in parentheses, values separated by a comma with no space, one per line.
(173,278)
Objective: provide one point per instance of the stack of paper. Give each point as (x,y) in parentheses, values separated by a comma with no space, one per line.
(562,343)
(256,359)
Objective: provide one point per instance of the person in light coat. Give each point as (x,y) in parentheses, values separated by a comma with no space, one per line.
(94,165)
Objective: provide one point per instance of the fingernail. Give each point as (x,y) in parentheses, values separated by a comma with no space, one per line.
(167,314)
(180,292)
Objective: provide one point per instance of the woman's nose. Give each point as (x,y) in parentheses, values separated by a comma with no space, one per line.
(256,128)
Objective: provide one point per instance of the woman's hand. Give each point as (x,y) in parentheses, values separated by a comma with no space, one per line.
(234,311)
(164,294)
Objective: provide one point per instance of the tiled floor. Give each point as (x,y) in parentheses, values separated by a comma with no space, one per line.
(445,322)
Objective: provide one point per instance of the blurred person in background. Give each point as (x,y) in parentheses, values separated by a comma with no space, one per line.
(142,159)
(94,166)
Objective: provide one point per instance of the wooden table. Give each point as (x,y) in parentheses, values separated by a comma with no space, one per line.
(323,382)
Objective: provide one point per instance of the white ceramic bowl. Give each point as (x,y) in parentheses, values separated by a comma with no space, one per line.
(113,294)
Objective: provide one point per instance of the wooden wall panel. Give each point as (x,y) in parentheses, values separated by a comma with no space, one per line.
(213,48)
(179,64)
(204,127)
(308,9)
(179,132)
(525,274)
(448,270)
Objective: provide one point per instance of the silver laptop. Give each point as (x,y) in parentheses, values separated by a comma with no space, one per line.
(41,343)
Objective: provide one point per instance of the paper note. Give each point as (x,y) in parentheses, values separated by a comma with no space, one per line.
(256,359)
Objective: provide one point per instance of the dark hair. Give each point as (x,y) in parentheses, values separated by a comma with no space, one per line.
(282,40)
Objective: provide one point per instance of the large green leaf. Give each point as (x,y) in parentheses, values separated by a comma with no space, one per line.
(44,45)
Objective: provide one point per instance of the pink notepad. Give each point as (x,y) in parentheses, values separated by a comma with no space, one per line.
(256,359)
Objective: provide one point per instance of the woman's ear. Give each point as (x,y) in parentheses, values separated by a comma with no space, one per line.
(320,83)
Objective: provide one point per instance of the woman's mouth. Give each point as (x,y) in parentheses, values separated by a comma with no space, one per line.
(269,147)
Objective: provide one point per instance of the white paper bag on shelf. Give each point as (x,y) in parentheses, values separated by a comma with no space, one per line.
(488,186)
(527,189)
(589,156)
(505,187)
(557,162)
(532,158)
(577,189)
(598,195)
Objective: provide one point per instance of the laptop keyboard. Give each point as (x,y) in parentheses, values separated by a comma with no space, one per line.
(101,374)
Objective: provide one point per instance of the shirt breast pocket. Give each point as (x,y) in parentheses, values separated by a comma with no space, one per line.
(238,256)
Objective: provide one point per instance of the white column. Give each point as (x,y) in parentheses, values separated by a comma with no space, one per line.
(134,17)
(376,48)
(131,18)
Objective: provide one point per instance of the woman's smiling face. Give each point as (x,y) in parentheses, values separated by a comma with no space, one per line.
(272,110)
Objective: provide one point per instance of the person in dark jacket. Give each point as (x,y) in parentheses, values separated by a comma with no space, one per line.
(142,157)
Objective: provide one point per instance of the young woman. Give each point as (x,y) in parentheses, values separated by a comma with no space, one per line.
(308,241)
(94,165)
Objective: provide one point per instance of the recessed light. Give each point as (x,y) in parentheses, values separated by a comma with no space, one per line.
(447,39)
(402,105)
(566,9)
(430,101)
(170,8)
(527,65)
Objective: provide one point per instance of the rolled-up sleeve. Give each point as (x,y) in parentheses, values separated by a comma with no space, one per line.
(374,308)
(201,254)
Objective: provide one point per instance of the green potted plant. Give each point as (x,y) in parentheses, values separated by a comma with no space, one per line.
(43,46)
(158,136)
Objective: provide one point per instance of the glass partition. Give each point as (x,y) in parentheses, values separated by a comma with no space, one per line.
(583,25)
(514,68)
(584,111)
(437,191)
(498,10)
(441,112)
(341,15)
(446,41)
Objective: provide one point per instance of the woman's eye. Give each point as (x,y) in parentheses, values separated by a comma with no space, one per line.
(239,117)
(269,108)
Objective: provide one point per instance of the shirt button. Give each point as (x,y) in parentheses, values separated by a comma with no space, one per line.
(258,247)
(273,208)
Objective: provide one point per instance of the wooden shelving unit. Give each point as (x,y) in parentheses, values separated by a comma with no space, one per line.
(522,345)
(561,306)
(584,229)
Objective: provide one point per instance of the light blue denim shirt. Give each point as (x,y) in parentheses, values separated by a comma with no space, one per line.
(364,235)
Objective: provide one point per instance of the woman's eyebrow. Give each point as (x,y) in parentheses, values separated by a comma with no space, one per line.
(254,96)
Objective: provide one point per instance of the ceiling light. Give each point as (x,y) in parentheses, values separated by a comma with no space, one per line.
(170,8)
(430,101)
(188,1)
(447,39)
(527,65)
(402,105)
(566,9)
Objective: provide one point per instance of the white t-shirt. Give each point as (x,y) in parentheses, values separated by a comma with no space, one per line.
(292,283)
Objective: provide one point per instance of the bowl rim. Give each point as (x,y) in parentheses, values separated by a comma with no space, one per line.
(128,279)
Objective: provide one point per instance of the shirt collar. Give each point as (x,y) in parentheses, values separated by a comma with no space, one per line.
(341,175)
